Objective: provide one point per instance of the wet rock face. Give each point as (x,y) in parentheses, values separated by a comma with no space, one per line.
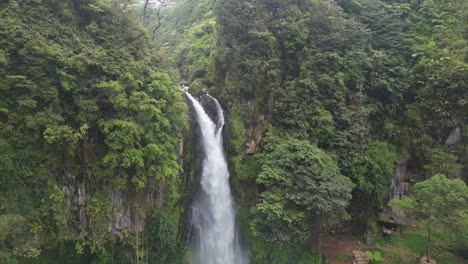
(209,105)
(455,138)
(75,202)
(122,218)
(256,136)
(455,143)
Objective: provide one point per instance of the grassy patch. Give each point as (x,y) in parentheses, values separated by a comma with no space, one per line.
(343,257)
(446,260)
(396,239)
(380,241)
(390,257)
(415,243)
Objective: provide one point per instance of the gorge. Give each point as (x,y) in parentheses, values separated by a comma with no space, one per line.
(213,211)
(308,123)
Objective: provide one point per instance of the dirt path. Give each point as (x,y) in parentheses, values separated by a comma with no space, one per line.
(335,245)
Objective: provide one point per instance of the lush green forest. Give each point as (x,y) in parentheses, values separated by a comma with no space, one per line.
(335,108)
(90,127)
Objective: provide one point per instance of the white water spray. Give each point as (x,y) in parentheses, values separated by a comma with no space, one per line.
(213,214)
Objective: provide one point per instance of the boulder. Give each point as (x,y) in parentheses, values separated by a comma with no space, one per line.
(209,104)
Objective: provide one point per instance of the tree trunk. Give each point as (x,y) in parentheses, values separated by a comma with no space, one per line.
(137,248)
(313,241)
(429,246)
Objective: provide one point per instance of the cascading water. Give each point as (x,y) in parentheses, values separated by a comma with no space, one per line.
(213,216)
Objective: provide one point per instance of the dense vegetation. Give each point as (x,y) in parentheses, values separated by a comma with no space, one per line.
(324,98)
(87,111)
(359,86)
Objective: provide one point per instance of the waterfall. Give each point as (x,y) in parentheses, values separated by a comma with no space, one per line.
(213,215)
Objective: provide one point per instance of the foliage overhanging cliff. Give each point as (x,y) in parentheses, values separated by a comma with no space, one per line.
(90,123)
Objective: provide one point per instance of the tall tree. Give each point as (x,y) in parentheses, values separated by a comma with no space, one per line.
(304,191)
(434,202)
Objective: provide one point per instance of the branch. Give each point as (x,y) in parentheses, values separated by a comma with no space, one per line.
(161,4)
(144,10)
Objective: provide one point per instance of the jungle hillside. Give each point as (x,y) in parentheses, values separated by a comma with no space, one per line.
(343,125)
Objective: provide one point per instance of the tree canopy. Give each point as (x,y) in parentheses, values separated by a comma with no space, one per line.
(303,189)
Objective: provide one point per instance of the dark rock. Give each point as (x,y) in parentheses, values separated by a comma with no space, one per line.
(227,131)
(400,182)
(209,104)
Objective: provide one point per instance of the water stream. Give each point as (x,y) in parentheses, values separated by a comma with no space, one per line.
(213,212)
